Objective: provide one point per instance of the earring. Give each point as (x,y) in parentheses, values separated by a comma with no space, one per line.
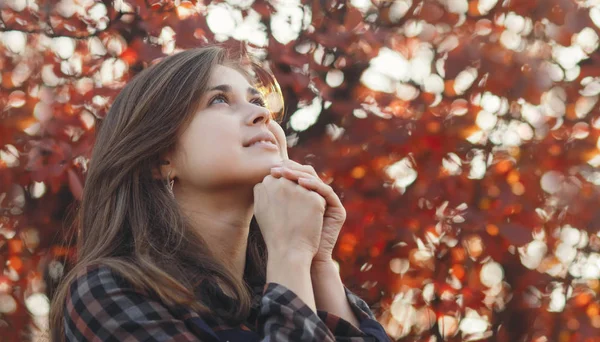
(170,183)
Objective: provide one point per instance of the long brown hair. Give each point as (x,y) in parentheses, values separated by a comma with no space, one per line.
(127,220)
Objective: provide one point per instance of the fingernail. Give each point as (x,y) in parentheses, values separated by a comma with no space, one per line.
(277,169)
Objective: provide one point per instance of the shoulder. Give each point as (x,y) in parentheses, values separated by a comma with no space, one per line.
(99,291)
(97,282)
(97,276)
(101,305)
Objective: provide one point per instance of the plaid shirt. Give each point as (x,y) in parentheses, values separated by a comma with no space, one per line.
(102,306)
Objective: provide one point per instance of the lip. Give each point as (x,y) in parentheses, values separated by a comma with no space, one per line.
(265,146)
(262,136)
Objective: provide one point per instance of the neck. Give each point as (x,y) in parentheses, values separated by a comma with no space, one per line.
(223,220)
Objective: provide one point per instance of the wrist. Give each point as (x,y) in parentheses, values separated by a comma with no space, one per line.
(296,259)
(292,270)
(323,266)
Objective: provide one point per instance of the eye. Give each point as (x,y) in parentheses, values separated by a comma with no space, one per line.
(259,101)
(218,97)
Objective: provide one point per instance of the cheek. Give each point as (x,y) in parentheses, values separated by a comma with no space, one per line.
(205,164)
(215,132)
(209,144)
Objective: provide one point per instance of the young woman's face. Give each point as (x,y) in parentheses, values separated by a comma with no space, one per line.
(213,150)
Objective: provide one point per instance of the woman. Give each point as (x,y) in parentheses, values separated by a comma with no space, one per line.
(188,231)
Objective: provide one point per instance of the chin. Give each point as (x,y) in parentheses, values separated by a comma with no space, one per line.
(263,172)
(268,162)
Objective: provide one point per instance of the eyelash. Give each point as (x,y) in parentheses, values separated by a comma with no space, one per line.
(261,102)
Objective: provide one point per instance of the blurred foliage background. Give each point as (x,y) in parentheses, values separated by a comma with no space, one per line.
(461,135)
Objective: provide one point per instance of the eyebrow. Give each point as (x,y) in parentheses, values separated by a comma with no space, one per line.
(227,89)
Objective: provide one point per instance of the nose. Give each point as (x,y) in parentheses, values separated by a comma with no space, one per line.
(260,114)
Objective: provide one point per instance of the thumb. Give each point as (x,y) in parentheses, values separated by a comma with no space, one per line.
(257,190)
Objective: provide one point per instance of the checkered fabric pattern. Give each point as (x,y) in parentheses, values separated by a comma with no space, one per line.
(102,306)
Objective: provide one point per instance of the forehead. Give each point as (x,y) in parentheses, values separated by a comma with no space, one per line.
(225,75)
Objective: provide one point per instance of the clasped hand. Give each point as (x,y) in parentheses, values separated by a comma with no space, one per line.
(334,214)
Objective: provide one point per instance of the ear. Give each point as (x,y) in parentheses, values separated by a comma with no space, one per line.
(162,169)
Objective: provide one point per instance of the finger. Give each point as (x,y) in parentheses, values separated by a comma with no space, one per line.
(257,191)
(295,175)
(322,189)
(290,174)
(294,165)
(309,181)
(268,179)
(284,153)
(319,198)
(282,140)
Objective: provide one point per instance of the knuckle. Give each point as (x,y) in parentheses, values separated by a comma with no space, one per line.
(322,206)
(288,163)
(286,184)
(301,190)
(316,198)
(308,168)
(305,168)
